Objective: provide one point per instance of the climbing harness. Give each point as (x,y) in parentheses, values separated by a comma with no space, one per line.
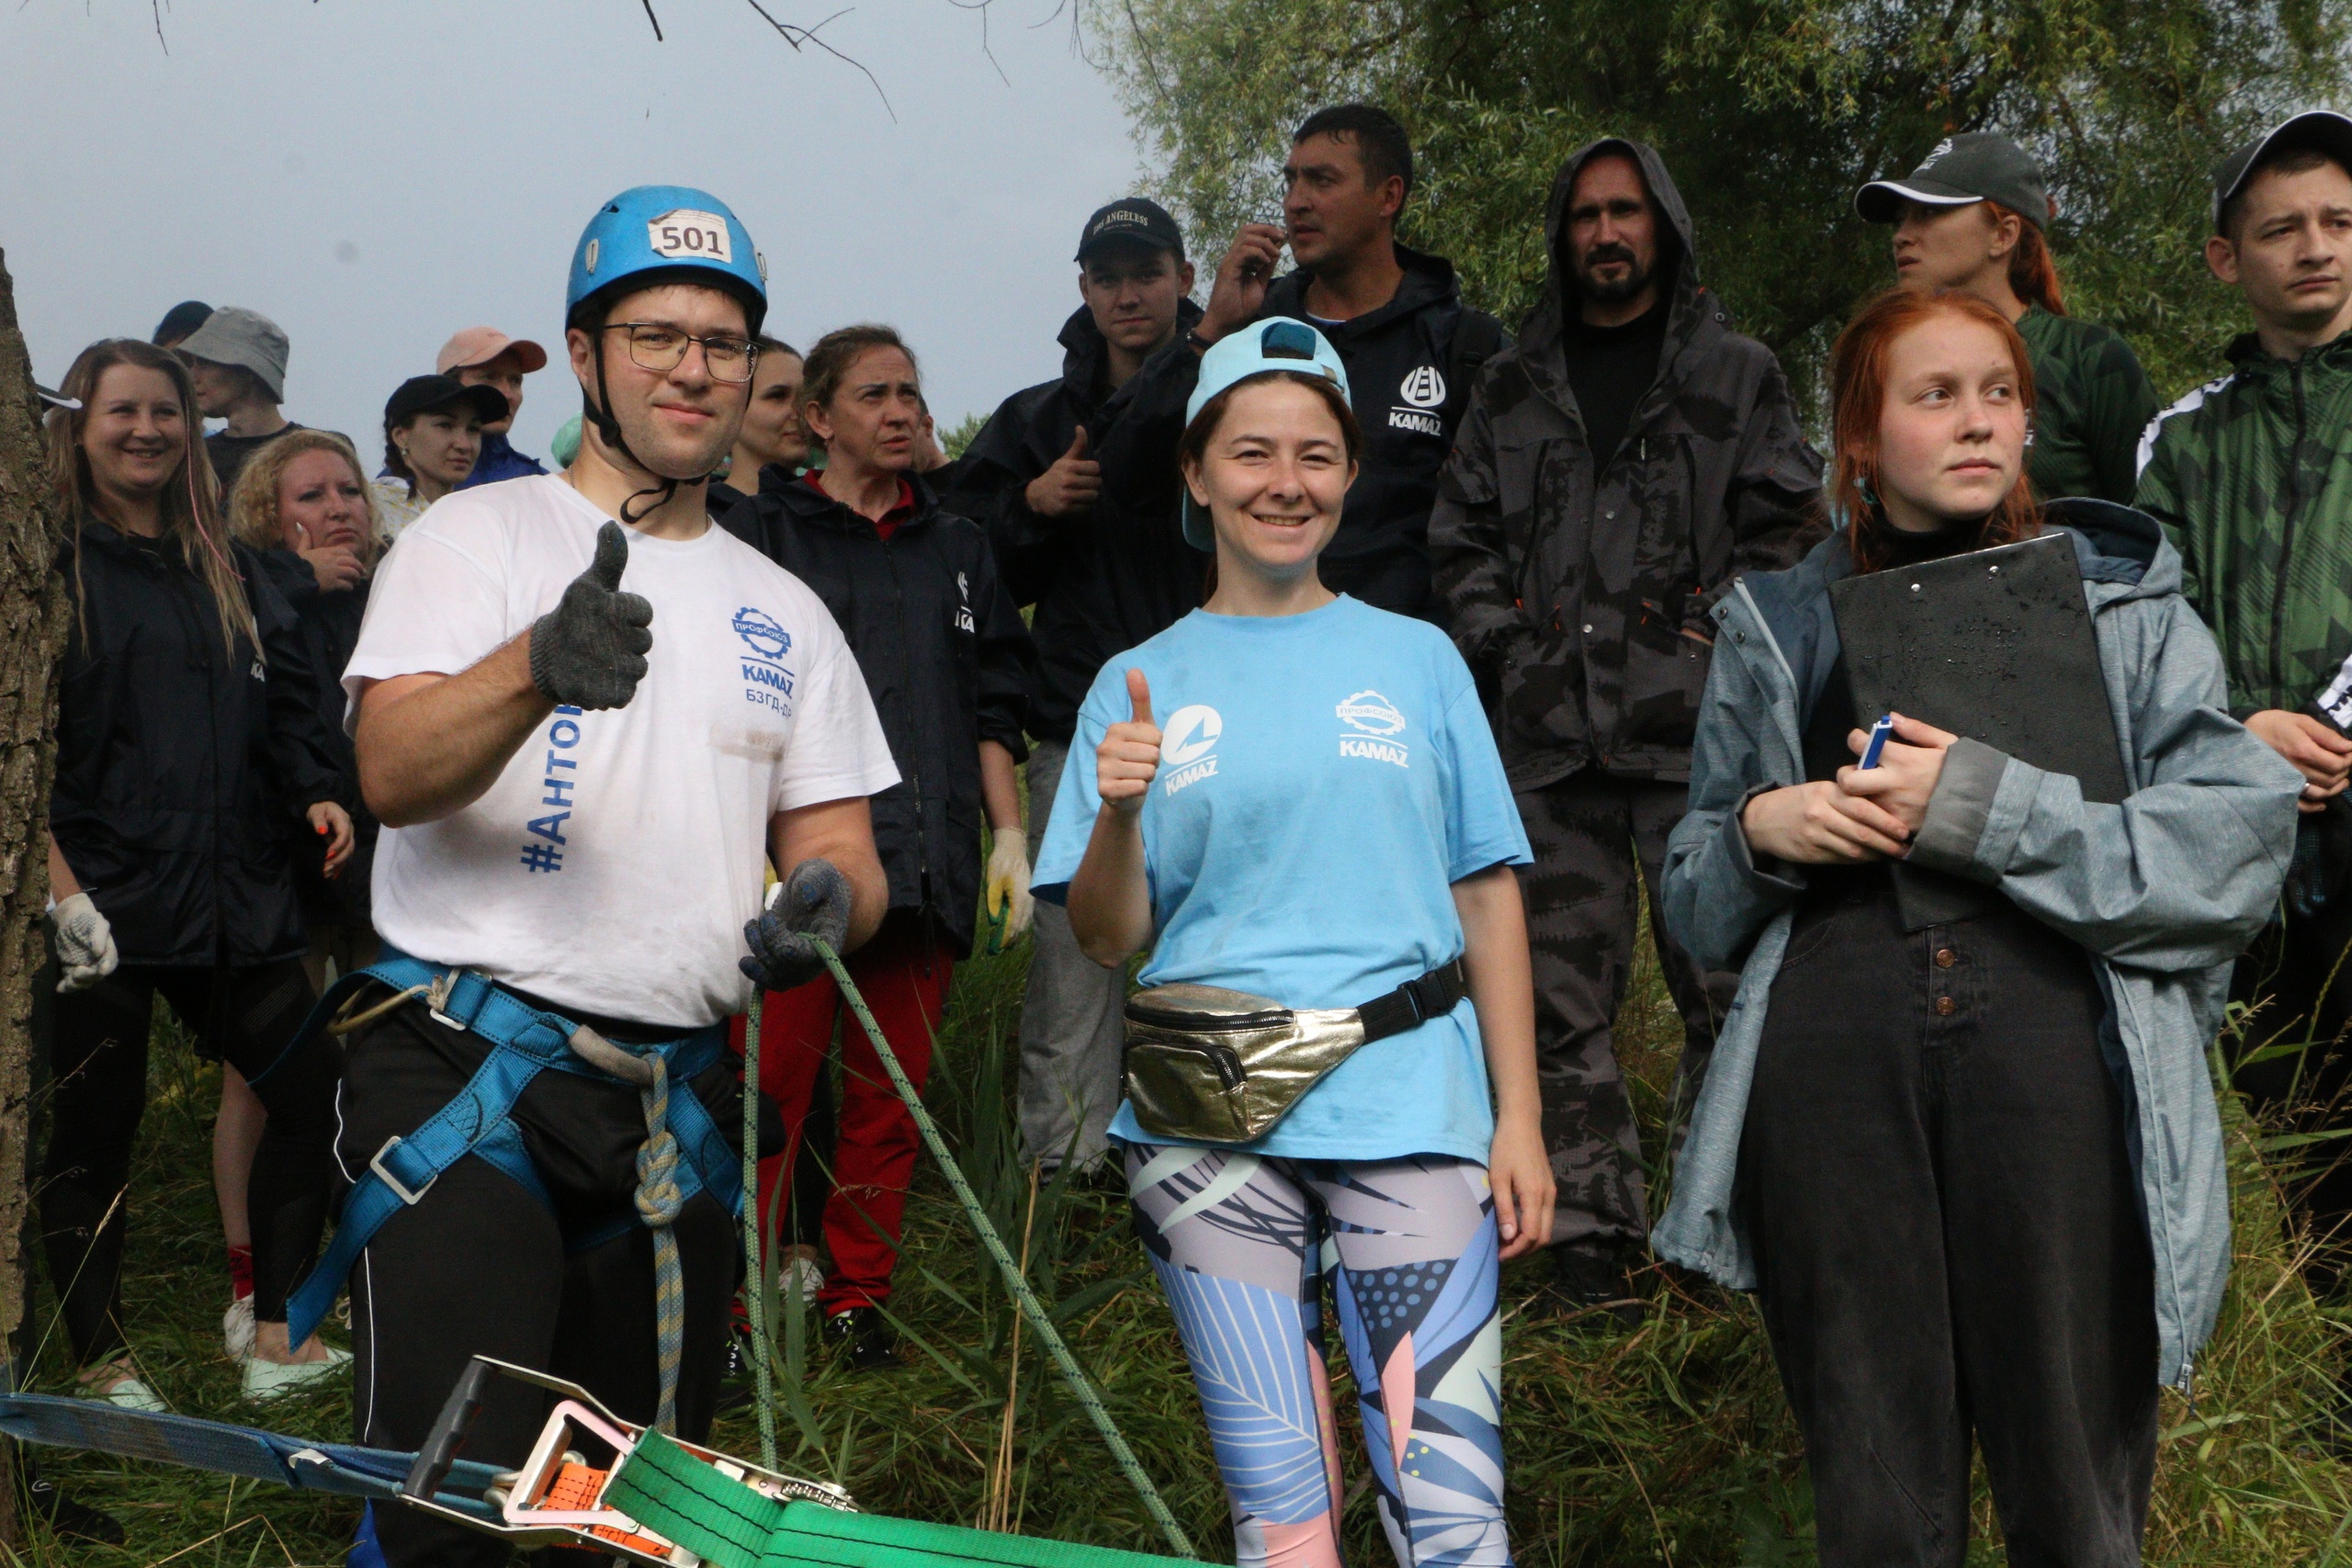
(683,1152)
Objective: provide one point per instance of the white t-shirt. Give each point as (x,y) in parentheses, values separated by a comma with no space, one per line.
(612,865)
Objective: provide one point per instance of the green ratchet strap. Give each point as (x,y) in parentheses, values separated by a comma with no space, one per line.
(667,1490)
(1031,1308)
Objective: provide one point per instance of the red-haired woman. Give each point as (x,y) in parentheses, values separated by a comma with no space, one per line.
(1971,218)
(1973,1166)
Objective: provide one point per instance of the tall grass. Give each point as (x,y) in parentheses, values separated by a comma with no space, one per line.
(1668,1444)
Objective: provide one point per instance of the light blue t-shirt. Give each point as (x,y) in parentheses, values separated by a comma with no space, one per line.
(1324,780)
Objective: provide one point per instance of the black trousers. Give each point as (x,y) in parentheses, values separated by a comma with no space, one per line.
(2298,973)
(98,1063)
(1949,1239)
(480,1267)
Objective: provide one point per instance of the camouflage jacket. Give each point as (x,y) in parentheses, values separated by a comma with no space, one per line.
(2091,401)
(2251,475)
(1580,593)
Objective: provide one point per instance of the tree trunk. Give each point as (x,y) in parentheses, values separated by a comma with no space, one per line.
(32,634)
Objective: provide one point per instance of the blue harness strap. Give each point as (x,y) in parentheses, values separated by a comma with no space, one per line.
(525,1042)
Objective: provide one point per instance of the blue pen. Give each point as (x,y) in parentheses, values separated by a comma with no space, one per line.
(1879,732)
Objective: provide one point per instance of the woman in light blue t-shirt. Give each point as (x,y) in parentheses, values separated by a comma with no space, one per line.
(1319,817)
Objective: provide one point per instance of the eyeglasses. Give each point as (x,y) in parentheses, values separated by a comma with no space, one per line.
(652,346)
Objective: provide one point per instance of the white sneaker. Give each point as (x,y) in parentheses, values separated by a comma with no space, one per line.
(237,1328)
(266,1380)
(805,1275)
(132,1394)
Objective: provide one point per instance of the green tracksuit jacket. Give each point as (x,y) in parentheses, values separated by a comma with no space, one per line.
(2251,475)
(2091,401)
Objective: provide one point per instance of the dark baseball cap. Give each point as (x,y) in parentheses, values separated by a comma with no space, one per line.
(421,394)
(180,320)
(1132,220)
(1974,165)
(2321,129)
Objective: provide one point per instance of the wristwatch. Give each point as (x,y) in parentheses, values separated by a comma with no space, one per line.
(1195,342)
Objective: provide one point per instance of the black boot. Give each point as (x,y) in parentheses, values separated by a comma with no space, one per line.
(1595,1285)
(71,1520)
(872,1346)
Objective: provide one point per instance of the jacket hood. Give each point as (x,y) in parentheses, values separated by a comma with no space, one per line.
(1085,350)
(1429,280)
(1690,307)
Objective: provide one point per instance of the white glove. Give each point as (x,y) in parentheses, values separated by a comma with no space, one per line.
(1008,879)
(84,942)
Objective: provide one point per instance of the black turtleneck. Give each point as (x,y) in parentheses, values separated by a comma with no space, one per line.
(1610,369)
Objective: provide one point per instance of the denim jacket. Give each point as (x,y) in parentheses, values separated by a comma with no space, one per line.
(2164,890)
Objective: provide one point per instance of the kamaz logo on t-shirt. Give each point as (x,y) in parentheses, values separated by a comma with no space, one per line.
(1423,392)
(767,681)
(1188,746)
(1376,722)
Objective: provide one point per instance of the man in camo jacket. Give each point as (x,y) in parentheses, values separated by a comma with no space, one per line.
(1614,472)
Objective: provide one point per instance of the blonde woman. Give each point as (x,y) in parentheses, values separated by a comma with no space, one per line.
(188,736)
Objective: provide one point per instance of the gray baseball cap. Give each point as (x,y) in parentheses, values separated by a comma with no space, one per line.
(2324,128)
(1974,165)
(235,335)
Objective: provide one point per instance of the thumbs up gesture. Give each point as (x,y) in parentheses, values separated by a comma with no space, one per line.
(589,651)
(1129,756)
(1071,486)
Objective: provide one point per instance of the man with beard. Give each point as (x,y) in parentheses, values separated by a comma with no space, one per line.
(1616,470)
(1396,316)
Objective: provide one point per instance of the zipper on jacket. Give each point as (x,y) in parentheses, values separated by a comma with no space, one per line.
(914,775)
(2294,478)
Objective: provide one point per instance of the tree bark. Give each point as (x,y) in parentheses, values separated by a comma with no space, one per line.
(32,635)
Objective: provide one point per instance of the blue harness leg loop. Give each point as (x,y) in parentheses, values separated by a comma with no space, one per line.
(525,1042)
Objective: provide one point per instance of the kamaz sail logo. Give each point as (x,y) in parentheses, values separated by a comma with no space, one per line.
(1188,746)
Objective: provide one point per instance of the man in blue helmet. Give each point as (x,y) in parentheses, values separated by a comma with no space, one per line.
(586,716)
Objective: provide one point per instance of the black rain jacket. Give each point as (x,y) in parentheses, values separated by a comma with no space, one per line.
(1106,579)
(330,630)
(1409,364)
(945,656)
(180,763)
(1570,587)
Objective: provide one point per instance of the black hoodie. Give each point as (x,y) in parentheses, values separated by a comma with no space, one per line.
(1579,589)
(944,656)
(1408,365)
(1106,579)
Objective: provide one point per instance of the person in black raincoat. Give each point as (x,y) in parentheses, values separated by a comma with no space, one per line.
(1395,314)
(188,736)
(1100,551)
(1620,465)
(915,591)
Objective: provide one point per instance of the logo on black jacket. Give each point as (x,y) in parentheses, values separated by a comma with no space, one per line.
(1423,392)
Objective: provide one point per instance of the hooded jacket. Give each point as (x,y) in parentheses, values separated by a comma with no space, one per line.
(183,768)
(328,626)
(1103,579)
(946,659)
(1410,365)
(1579,592)
(2163,891)
(2251,475)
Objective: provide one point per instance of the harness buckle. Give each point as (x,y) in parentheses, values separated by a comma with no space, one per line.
(437,998)
(399,1190)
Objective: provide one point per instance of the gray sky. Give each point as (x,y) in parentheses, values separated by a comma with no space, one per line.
(375,175)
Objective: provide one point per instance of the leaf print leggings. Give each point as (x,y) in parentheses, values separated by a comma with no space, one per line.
(1245,1247)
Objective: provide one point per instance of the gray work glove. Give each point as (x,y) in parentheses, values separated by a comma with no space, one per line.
(589,651)
(84,941)
(813,901)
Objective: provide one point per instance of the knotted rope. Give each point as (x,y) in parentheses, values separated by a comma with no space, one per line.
(658,1202)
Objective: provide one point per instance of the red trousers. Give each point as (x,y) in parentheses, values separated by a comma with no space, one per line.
(903,974)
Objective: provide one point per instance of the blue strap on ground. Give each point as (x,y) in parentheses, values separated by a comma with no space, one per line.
(527,1042)
(224,1450)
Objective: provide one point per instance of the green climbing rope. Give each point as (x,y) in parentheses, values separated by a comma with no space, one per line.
(754,1278)
(1031,1308)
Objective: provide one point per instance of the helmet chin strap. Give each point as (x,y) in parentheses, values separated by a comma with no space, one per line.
(596,406)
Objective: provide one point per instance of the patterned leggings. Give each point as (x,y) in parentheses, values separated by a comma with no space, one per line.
(1244,1247)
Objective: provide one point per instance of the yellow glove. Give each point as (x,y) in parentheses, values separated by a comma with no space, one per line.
(1008,896)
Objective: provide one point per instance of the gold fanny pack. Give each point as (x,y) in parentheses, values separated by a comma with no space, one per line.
(1221,1066)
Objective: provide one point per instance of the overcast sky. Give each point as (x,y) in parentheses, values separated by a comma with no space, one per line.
(374,176)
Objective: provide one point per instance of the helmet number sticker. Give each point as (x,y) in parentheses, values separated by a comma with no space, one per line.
(685,232)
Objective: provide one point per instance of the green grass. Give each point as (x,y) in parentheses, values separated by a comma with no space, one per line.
(1670,1445)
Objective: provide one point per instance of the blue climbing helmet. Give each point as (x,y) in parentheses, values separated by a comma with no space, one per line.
(650,231)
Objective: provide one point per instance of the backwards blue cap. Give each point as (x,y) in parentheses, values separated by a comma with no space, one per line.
(1261,348)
